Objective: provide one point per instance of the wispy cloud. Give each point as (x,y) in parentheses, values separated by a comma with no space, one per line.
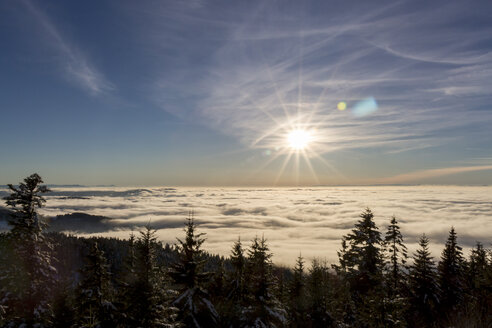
(76,67)
(274,65)
(433,173)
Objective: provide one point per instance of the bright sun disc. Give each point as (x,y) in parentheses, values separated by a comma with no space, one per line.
(298,139)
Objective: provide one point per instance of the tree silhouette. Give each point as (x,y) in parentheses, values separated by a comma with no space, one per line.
(363,258)
(150,301)
(423,286)
(264,308)
(297,308)
(28,279)
(94,293)
(196,309)
(317,284)
(395,276)
(451,270)
(479,281)
(235,296)
(396,255)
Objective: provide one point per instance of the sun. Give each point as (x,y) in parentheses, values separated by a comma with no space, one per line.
(299,139)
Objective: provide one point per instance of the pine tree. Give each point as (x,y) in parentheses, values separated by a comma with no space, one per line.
(343,257)
(396,255)
(94,294)
(28,278)
(395,275)
(479,287)
(297,308)
(478,266)
(149,303)
(127,282)
(196,309)
(218,288)
(423,286)
(451,271)
(363,259)
(131,259)
(238,262)
(318,295)
(264,308)
(236,295)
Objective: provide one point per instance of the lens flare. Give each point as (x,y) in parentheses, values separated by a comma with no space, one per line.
(365,107)
(342,105)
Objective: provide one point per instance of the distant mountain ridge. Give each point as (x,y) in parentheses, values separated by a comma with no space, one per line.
(67,186)
(76,222)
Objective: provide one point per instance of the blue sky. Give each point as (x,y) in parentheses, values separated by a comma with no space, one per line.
(206,92)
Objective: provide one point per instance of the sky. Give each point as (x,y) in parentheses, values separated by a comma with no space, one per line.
(208,93)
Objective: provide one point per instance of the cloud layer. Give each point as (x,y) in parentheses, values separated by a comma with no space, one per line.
(307,220)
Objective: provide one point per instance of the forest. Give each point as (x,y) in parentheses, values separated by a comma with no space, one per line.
(52,279)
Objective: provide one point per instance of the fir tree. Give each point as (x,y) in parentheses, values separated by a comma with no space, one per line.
(451,270)
(281,284)
(478,285)
(343,258)
(477,266)
(297,306)
(363,258)
(423,286)
(396,255)
(28,278)
(264,308)
(196,309)
(238,262)
(297,296)
(236,295)
(150,303)
(94,294)
(318,295)
(127,282)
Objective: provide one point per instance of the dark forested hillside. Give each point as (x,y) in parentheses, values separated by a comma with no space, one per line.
(50,279)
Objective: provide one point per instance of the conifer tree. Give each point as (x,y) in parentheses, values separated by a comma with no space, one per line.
(196,309)
(28,277)
(451,271)
(396,258)
(238,261)
(363,259)
(297,308)
(150,302)
(94,293)
(264,308)
(318,295)
(477,266)
(131,259)
(127,281)
(343,258)
(125,285)
(236,295)
(423,286)
(479,285)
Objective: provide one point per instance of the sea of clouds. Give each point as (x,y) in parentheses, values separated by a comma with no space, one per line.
(310,221)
